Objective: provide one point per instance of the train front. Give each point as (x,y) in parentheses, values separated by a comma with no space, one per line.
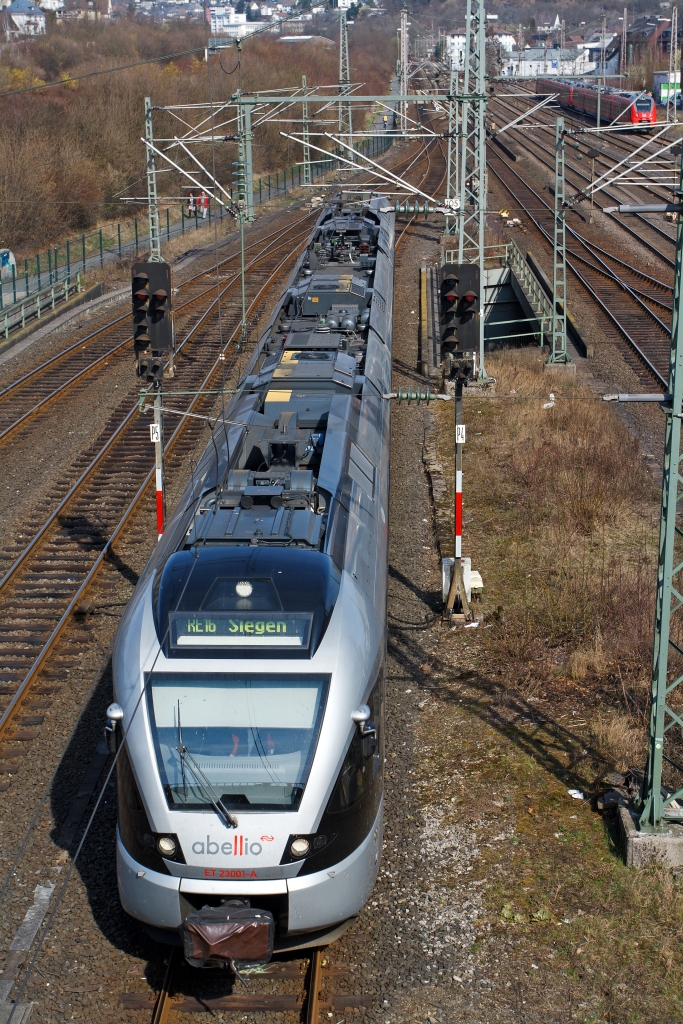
(252,767)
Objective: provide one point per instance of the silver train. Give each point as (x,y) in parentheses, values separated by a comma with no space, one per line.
(249,665)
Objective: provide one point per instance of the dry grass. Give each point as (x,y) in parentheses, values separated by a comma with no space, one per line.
(561,517)
(70,151)
(618,738)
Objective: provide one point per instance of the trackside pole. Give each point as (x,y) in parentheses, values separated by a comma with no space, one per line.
(157,431)
(459,436)
(457,587)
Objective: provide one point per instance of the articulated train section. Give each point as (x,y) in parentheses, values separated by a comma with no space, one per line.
(253,728)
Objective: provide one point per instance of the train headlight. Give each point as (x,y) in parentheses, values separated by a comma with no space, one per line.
(166,846)
(299,847)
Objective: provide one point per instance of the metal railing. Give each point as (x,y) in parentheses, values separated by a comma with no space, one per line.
(34,306)
(532,287)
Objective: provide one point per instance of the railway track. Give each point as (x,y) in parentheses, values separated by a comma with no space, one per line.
(636,306)
(650,234)
(44,581)
(307,982)
(642,336)
(23,399)
(48,579)
(82,545)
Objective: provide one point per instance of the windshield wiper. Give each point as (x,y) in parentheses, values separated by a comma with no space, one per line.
(203,784)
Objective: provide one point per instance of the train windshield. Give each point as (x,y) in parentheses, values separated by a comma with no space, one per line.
(644,103)
(245,741)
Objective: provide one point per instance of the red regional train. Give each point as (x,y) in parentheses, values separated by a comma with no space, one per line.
(633,107)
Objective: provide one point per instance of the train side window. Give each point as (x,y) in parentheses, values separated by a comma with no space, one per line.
(335,542)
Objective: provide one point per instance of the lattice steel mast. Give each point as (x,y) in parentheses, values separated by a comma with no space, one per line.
(306,134)
(559,349)
(152,198)
(665,712)
(403,119)
(672,92)
(471,218)
(345,115)
(452,156)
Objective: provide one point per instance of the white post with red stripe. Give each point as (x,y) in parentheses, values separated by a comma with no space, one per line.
(459,442)
(158,438)
(457,587)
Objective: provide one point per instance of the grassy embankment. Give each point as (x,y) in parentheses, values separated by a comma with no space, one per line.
(549,694)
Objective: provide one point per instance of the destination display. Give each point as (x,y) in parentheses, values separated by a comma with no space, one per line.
(240,629)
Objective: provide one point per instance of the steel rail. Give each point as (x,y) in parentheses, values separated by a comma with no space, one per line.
(616,143)
(127,418)
(622,330)
(109,326)
(64,385)
(624,142)
(112,323)
(427,154)
(527,144)
(13,706)
(607,272)
(163,1004)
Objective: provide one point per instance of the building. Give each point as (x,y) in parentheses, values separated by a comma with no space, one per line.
(544,59)
(534,61)
(649,33)
(456,45)
(224,21)
(22,18)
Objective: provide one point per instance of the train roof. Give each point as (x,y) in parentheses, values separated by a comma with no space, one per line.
(583,84)
(284,454)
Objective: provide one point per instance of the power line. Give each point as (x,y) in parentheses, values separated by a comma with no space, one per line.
(135,64)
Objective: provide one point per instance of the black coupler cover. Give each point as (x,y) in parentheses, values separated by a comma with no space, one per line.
(215,936)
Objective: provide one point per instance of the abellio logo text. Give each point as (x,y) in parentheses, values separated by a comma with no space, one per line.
(237,846)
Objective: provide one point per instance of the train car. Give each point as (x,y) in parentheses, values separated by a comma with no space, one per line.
(249,665)
(630,107)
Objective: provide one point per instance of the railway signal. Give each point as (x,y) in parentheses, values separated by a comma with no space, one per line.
(460,302)
(151,290)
